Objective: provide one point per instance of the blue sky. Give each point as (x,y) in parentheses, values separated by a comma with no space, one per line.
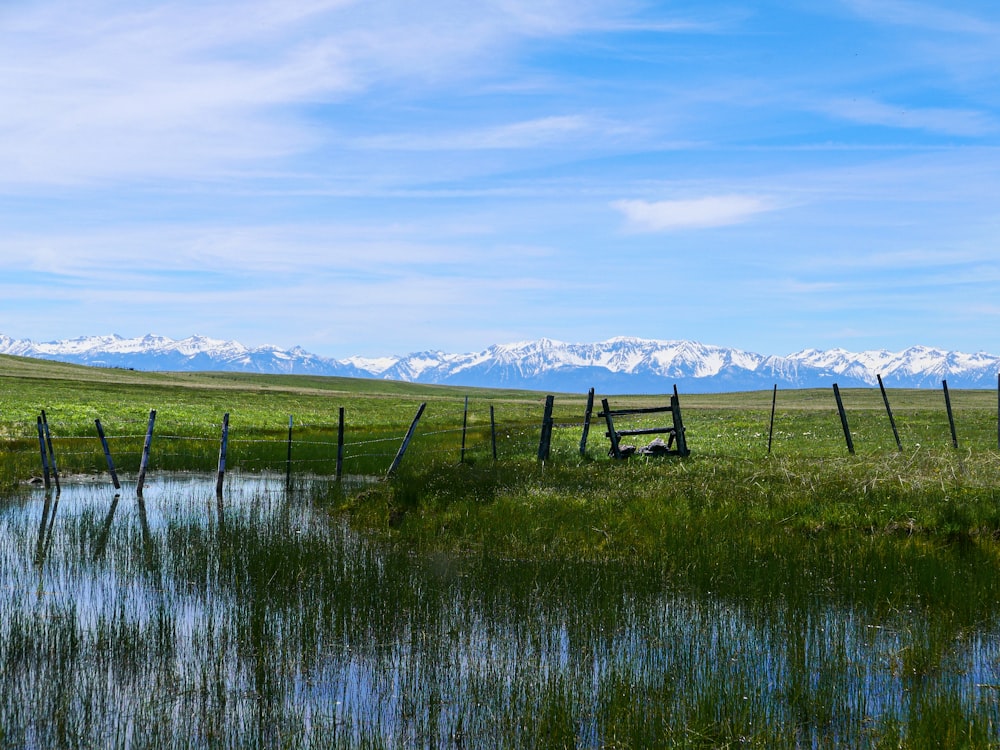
(384,176)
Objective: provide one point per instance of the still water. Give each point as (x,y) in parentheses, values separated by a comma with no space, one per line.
(261,620)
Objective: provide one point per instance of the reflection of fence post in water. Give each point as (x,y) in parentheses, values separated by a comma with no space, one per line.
(45,454)
(144,463)
(222,454)
(843,420)
(102,540)
(107,454)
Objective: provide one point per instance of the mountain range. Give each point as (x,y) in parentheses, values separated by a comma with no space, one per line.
(618,365)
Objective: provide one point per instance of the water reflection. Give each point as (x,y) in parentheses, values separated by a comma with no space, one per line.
(261,620)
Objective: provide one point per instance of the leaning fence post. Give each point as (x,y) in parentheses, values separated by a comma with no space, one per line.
(45,454)
(52,453)
(340,443)
(222,454)
(545,441)
(465,427)
(951,417)
(406,441)
(586,421)
(888,409)
(843,420)
(144,463)
(107,454)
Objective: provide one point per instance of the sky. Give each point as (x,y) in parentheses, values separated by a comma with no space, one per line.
(374,177)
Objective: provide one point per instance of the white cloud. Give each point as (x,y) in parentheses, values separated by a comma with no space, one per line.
(696,213)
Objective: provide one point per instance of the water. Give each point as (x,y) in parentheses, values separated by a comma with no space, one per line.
(262,620)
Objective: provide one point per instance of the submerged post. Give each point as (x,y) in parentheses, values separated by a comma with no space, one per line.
(144,463)
(107,454)
(770,430)
(52,453)
(340,443)
(843,420)
(586,421)
(888,410)
(45,454)
(465,426)
(222,454)
(951,417)
(545,441)
(406,441)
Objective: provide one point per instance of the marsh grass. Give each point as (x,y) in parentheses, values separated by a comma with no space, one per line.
(265,621)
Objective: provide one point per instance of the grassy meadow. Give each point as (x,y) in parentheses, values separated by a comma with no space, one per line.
(734,598)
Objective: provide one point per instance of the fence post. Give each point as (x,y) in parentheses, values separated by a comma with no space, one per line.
(340,443)
(144,463)
(888,409)
(546,439)
(52,453)
(465,426)
(107,454)
(45,454)
(843,420)
(586,421)
(947,403)
(406,441)
(222,454)
(288,460)
(616,451)
(493,432)
(770,430)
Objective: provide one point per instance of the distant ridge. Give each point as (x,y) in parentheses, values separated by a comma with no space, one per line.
(618,365)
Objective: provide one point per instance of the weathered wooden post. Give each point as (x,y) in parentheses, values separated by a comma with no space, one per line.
(888,410)
(770,430)
(843,420)
(52,453)
(406,441)
(951,416)
(288,460)
(144,462)
(679,433)
(616,451)
(223,445)
(45,454)
(493,432)
(465,426)
(340,443)
(545,441)
(107,454)
(586,421)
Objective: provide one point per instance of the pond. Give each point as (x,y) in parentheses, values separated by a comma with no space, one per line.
(261,620)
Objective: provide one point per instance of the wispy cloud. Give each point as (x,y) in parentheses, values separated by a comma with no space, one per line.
(696,213)
(925,16)
(959,122)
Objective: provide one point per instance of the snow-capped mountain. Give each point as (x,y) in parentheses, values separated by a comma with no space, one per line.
(618,365)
